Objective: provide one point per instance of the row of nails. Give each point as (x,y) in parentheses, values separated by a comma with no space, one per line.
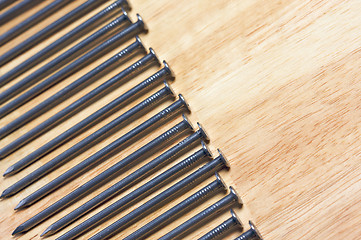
(125,30)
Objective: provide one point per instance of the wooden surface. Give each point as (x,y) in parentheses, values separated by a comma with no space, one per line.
(277,86)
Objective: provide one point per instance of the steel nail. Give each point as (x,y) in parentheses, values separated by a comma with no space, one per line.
(142,172)
(96,137)
(251,234)
(227,201)
(102,178)
(126,183)
(163,74)
(100,156)
(135,69)
(49,30)
(34,19)
(224,227)
(147,208)
(129,52)
(138,194)
(99,18)
(52,66)
(181,208)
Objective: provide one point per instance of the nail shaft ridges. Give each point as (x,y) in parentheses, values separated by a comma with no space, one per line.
(159,200)
(227,201)
(102,178)
(133,70)
(164,74)
(223,228)
(153,185)
(100,134)
(181,208)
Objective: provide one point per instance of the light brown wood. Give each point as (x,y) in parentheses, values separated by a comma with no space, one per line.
(276,85)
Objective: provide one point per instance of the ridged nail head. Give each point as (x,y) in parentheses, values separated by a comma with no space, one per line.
(186,119)
(205,135)
(152,52)
(184,102)
(221,181)
(206,150)
(236,219)
(140,44)
(169,71)
(236,196)
(144,26)
(224,159)
(169,89)
(254,228)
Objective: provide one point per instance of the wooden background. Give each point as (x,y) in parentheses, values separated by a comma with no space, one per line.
(277,86)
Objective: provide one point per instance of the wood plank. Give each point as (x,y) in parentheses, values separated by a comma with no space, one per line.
(275,84)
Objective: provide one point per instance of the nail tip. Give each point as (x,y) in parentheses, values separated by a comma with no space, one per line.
(21,205)
(48,232)
(8,172)
(18,230)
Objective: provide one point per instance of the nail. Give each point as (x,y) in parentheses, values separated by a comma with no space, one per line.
(224,227)
(98,19)
(72,67)
(49,30)
(101,179)
(251,234)
(161,199)
(31,21)
(96,137)
(181,208)
(128,181)
(140,193)
(129,52)
(227,201)
(18,9)
(163,74)
(99,157)
(135,69)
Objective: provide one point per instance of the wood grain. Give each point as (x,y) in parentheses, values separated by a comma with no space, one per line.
(275,84)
